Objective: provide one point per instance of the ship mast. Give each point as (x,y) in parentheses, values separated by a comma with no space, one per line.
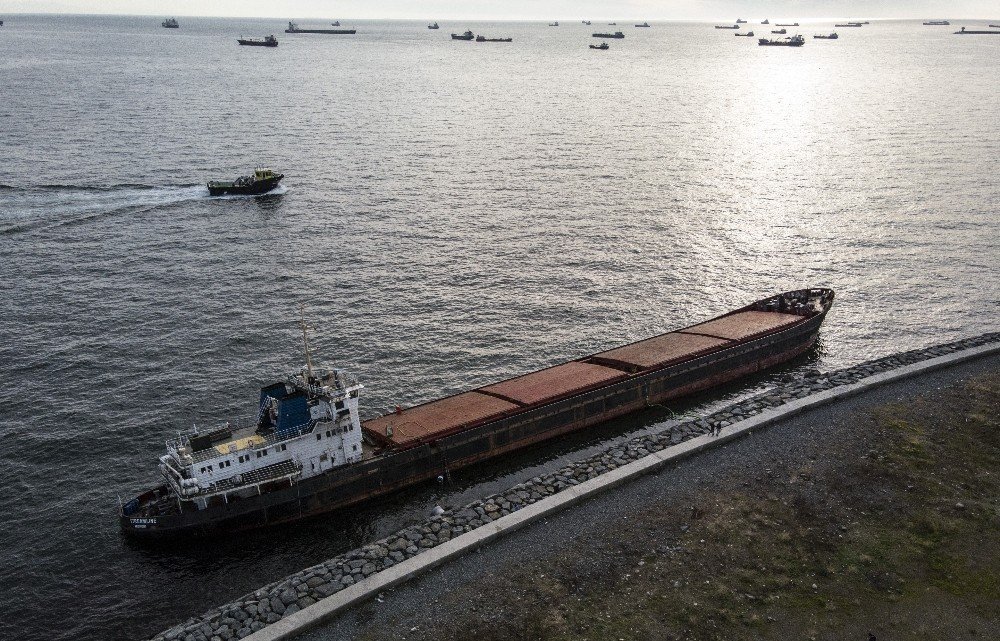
(305,342)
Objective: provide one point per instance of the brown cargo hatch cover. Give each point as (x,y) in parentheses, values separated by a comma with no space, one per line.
(744,324)
(554,383)
(658,351)
(437,418)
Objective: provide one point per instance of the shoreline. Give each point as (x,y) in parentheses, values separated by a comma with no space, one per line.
(287,607)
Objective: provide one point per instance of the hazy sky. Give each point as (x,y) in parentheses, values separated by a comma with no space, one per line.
(524,9)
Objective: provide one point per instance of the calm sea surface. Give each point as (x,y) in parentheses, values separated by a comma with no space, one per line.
(454,213)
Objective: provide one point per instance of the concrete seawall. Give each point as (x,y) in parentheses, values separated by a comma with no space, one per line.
(285,608)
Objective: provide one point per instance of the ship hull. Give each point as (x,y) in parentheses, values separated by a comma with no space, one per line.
(253,189)
(380,475)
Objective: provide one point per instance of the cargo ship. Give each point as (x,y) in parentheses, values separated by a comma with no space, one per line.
(618,35)
(793,41)
(170,23)
(305,451)
(266,41)
(294,28)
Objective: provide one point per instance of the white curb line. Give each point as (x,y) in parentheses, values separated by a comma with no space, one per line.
(365,589)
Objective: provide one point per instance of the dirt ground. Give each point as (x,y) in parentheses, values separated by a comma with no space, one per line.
(889,527)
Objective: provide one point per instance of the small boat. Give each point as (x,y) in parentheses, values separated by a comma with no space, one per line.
(612,24)
(994,26)
(848,24)
(433,26)
(786,25)
(618,35)
(603,46)
(261,181)
(794,41)
(644,24)
(266,41)
(832,36)
(294,28)
(967,32)
(170,23)
(586,22)
(780,31)
(740,21)
(485,39)
(748,34)
(335,24)
(553,24)
(735,26)
(765,21)
(468,35)
(939,23)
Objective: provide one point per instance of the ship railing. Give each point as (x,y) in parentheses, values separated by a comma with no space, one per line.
(283,470)
(252,445)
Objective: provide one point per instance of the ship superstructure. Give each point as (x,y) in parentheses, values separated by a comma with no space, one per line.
(305,425)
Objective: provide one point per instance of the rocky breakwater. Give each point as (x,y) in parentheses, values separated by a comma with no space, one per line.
(277,600)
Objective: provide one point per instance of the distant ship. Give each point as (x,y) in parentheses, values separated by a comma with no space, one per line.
(586,22)
(260,182)
(786,25)
(335,24)
(722,26)
(266,41)
(644,24)
(170,23)
(832,36)
(603,46)
(848,24)
(433,26)
(938,23)
(765,21)
(553,24)
(618,35)
(965,31)
(794,41)
(294,28)
(485,39)
(748,34)
(779,31)
(468,35)
(740,21)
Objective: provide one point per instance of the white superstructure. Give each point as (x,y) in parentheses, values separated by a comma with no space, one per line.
(305,425)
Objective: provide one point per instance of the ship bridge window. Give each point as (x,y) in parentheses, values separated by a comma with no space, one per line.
(355,447)
(284,446)
(319,436)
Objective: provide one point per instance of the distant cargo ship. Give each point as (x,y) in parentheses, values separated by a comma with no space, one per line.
(266,41)
(618,35)
(794,41)
(170,23)
(468,35)
(965,31)
(305,451)
(294,28)
(937,23)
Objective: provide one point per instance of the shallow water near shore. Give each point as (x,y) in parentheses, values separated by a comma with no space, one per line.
(453,214)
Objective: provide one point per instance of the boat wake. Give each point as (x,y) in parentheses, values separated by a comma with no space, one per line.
(36,208)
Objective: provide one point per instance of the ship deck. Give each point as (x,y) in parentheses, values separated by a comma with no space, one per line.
(436,419)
